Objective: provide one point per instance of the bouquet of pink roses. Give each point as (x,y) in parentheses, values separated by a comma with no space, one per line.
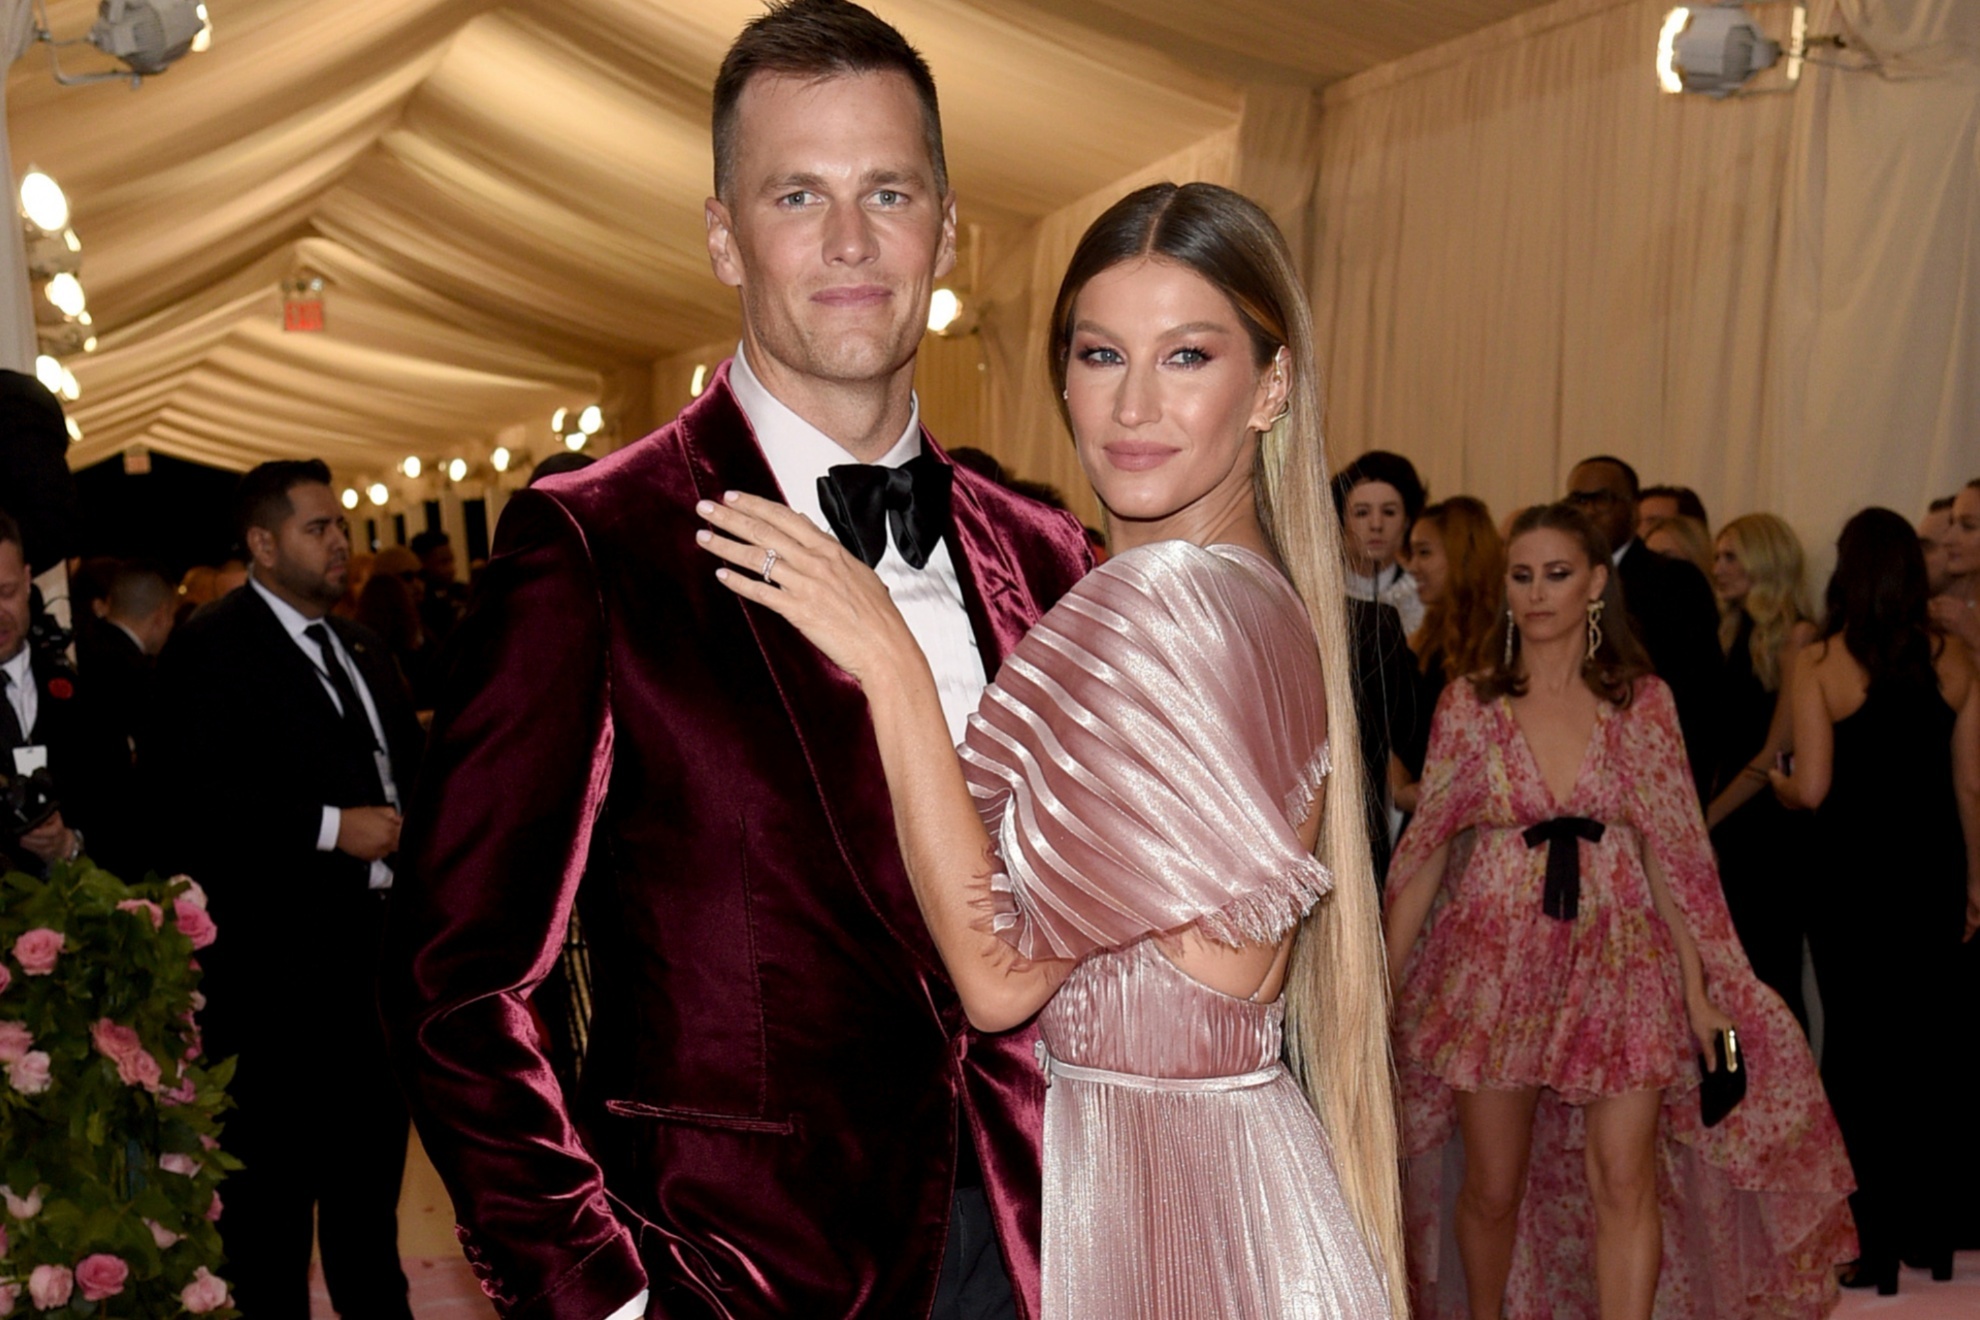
(109,1122)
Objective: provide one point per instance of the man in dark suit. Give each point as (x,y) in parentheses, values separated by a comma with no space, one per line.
(1388,711)
(45,725)
(117,657)
(283,742)
(1670,604)
(779,1070)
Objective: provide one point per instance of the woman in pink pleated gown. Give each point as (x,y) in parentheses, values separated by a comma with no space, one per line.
(1143,835)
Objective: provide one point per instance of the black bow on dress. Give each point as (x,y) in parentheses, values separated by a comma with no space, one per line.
(1563,836)
(863,502)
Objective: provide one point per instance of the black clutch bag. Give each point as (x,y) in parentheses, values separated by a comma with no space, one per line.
(1721,1090)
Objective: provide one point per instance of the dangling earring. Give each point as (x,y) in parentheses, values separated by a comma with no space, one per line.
(1510,629)
(1595,608)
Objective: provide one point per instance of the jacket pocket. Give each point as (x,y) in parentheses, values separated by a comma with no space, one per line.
(700,1118)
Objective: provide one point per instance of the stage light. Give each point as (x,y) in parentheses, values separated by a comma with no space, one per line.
(943,309)
(75,431)
(149,36)
(65,291)
(89,344)
(378,493)
(499,460)
(48,371)
(457,469)
(349,499)
(44,203)
(412,466)
(557,420)
(1711,50)
(575,441)
(204,41)
(699,381)
(592,420)
(71,387)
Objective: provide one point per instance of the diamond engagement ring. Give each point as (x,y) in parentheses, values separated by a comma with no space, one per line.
(769,562)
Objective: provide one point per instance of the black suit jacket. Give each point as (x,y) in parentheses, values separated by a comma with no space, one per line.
(119,679)
(1386,700)
(246,752)
(81,760)
(1676,617)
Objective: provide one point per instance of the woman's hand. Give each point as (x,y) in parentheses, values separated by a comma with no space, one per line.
(834,599)
(1706,1023)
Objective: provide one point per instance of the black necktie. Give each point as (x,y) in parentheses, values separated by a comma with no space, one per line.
(11,733)
(355,721)
(1563,835)
(863,502)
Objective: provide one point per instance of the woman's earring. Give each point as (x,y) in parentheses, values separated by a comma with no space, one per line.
(1511,627)
(1595,608)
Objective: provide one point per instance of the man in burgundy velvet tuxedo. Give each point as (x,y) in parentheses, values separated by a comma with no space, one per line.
(782,1111)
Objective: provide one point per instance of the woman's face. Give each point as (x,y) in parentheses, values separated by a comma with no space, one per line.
(1373,518)
(1963,541)
(1165,400)
(1729,572)
(1550,584)
(1427,562)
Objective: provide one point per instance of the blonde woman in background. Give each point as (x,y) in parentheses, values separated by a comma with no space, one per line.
(1681,537)
(1145,836)
(1765,621)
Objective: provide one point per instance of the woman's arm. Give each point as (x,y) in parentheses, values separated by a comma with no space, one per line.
(843,608)
(1403,790)
(1409,909)
(1814,738)
(1706,1019)
(1752,776)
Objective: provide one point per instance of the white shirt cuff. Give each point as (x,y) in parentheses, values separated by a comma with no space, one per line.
(326,833)
(632,1310)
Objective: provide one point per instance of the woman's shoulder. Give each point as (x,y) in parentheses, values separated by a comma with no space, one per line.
(1650,697)
(1180,579)
(1955,666)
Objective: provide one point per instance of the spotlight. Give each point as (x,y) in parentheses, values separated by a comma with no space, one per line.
(75,431)
(557,420)
(378,493)
(50,255)
(89,344)
(48,371)
(699,381)
(499,460)
(575,441)
(149,36)
(204,41)
(412,466)
(456,469)
(65,292)
(44,203)
(71,387)
(592,420)
(943,309)
(349,499)
(1711,50)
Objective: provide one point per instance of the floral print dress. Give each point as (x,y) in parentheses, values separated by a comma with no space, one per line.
(1499,994)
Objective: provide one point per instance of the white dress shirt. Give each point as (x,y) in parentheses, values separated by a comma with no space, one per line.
(22,694)
(296,624)
(930,598)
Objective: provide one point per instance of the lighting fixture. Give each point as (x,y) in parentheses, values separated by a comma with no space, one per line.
(71,387)
(575,441)
(557,420)
(149,36)
(75,431)
(944,306)
(65,292)
(378,493)
(592,420)
(204,41)
(412,466)
(456,469)
(44,203)
(1712,50)
(49,372)
(499,460)
(349,499)
(699,381)
(89,344)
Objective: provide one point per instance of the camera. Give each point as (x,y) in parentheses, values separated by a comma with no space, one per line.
(26,802)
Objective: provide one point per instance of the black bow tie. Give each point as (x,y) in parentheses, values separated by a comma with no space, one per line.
(863,502)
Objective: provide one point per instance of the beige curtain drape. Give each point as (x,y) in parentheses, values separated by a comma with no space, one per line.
(1524,253)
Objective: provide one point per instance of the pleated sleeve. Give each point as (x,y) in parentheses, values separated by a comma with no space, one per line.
(1146,755)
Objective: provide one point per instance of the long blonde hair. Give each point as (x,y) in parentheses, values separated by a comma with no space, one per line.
(1337,989)
(1776,601)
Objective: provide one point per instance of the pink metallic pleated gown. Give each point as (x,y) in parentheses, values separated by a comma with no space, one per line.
(1143,762)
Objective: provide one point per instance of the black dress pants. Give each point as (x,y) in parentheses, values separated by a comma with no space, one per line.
(974,1284)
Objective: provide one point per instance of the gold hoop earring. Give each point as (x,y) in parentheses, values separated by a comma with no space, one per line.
(1595,608)
(1511,629)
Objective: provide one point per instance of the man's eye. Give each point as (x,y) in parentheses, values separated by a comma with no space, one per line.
(798,198)
(888,197)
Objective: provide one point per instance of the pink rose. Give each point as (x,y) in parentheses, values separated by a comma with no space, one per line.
(101,1276)
(37,950)
(50,1285)
(21,1207)
(29,1074)
(163,1236)
(205,1293)
(146,906)
(182,1094)
(6,979)
(193,921)
(198,1002)
(15,1040)
(192,893)
(214,1209)
(120,1044)
(174,1162)
(9,1294)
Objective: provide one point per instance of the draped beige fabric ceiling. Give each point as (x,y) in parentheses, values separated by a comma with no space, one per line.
(506,198)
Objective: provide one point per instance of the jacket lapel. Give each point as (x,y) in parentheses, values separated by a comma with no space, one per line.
(827,710)
(1000,604)
(286,656)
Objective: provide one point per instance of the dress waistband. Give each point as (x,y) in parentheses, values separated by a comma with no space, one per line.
(1055,1068)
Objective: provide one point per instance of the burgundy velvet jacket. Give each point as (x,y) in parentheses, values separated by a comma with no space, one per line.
(769,1107)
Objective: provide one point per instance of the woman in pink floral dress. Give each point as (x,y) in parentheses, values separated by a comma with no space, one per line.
(1579,958)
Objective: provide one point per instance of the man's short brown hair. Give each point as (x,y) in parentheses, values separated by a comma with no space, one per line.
(819,39)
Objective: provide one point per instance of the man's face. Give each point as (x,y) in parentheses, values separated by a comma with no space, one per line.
(439,564)
(1602,492)
(835,234)
(309,553)
(15,583)
(1654,508)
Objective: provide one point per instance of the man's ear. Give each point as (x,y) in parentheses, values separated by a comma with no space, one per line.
(945,253)
(261,546)
(722,253)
